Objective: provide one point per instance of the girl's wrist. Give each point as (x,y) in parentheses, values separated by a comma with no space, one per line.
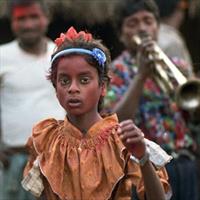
(143,159)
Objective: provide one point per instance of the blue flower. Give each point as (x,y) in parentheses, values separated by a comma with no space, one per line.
(99,55)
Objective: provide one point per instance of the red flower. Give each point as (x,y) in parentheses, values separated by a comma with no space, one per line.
(85,36)
(60,40)
(72,34)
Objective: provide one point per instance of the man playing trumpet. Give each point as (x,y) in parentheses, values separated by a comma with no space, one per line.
(135,94)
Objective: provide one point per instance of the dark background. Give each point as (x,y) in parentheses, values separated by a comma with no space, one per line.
(190,29)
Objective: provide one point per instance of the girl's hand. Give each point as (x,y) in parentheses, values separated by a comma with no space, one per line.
(132,137)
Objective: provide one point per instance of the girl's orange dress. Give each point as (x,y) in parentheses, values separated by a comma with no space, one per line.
(73,166)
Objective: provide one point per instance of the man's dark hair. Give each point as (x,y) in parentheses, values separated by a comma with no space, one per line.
(13,3)
(167,7)
(130,7)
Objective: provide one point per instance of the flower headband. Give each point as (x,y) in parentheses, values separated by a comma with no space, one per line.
(71,34)
(96,53)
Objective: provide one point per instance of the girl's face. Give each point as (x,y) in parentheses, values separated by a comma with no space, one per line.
(77,86)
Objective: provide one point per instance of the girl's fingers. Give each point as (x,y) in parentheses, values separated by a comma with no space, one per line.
(128,126)
(125,122)
(134,139)
(130,137)
(129,132)
(122,126)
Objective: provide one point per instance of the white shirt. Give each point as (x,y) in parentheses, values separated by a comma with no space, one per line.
(172,43)
(26,96)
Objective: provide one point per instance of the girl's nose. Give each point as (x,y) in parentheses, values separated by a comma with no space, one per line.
(73,88)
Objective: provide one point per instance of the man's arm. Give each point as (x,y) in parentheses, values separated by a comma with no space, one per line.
(127,107)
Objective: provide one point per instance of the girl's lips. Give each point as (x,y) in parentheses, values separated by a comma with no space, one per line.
(74,102)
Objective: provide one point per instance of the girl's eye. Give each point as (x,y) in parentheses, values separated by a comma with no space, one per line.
(85,80)
(64,81)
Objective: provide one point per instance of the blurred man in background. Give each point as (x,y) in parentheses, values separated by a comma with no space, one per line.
(170,39)
(26,95)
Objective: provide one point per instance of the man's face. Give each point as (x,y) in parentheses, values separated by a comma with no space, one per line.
(29,23)
(136,24)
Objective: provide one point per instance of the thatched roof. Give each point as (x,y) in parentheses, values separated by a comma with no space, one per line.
(89,11)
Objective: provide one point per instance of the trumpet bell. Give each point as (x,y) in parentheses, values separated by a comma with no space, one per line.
(188,95)
(187,92)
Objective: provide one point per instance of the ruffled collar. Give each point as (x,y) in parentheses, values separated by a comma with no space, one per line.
(95,129)
(71,162)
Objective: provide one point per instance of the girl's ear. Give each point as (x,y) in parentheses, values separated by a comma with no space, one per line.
(103,89)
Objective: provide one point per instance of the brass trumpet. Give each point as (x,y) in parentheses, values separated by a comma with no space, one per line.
(187,92)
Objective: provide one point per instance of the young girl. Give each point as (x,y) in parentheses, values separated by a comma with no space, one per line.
(86,156)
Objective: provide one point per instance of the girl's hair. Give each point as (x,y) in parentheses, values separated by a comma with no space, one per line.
(82,41)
